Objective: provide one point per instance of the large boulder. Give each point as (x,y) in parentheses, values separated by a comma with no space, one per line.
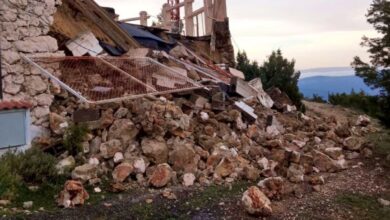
(122,171)
(256,202)
(161,176)
(124,130)
(155,149)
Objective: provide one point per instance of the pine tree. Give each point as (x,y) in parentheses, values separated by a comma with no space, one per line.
(280,72)
(376,73)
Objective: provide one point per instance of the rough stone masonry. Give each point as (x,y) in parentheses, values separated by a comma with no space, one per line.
(24,31)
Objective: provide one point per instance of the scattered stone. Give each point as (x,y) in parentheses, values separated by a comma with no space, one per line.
(139,166)
(352,143)
(97,190)
(161,176)
(317,180)
(121,172)
(296,173)
(188,179)
(273,187)
(65,164)
(5,202)
(118,157)
(334,152)
(155,149)
(84,172)
(384,202)
(256,203)
(28,205)
(251,173)
(167,193)
(73,194)
(363,121)
(110,148)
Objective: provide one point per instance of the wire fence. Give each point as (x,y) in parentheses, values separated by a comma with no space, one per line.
(100,80)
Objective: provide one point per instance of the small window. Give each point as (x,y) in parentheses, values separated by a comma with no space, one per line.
(13,128)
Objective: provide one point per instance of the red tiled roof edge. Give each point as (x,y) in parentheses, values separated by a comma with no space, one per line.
(13,105)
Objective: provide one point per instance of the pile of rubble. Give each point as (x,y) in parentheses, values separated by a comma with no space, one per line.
(205,137)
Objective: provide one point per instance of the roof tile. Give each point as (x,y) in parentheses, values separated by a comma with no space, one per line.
(12,105)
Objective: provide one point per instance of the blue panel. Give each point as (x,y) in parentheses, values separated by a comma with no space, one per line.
(12,128)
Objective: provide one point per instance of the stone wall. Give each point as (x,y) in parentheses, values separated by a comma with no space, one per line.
(24,31)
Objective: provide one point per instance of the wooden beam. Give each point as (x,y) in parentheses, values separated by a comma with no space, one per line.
(208,4)
(94,12)
(197,12)
(189,20)
(220,10)
(181,4)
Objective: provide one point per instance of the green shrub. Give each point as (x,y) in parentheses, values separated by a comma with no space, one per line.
(35,166)
(74,137)
(9,180)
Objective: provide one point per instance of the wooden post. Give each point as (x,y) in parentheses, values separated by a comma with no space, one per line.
(143,17)
(220,10)
(208,6)
(166,17)
(189,19)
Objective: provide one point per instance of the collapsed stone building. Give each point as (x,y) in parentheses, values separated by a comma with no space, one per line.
(162,108)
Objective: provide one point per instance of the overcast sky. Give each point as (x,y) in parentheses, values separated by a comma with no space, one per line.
(316,33)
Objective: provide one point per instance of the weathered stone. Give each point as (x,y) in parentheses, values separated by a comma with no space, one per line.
(118,157)
(317,180)
(295,173)
(37,44)
(124,130)
(84,172)
(352,143)
(324,163)
(273,187)
(139,165)
(224,168)
(35,85)
(161,176)
(110,148)
(188,179)
(121,112)
(256,203)
(121,172)
(251,173)
(65,164)
(183,157)
(58,123)
(343,131)
(73,194)
(155,149)
(334,152)
(363,121)
(28,204)
(44,99)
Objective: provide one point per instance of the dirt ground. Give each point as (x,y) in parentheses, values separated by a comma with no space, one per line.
(351,194)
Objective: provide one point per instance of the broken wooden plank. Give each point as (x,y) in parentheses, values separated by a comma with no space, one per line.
(100,17)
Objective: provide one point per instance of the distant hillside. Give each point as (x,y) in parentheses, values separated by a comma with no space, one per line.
(330,71)
(323,85)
